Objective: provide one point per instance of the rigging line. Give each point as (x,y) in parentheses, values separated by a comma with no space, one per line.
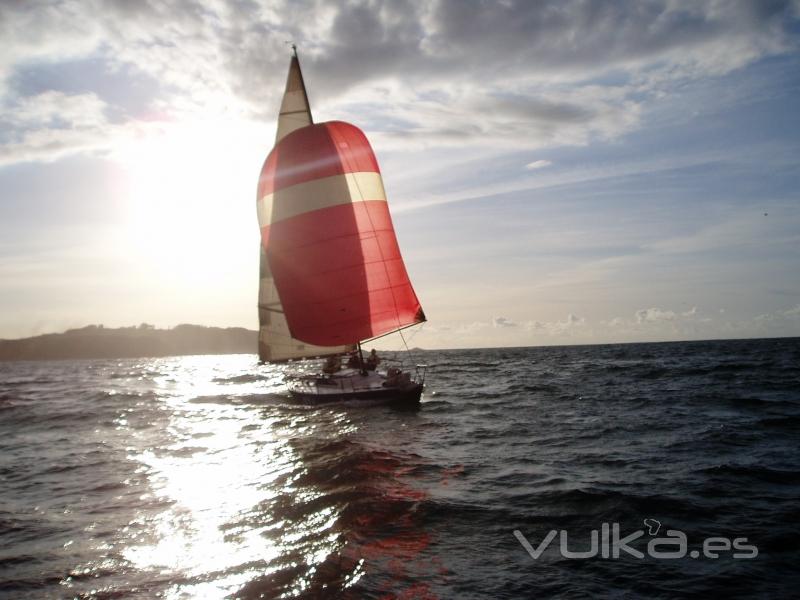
(416,331)
(413,335)
(405,342)
(377,337)
(413,358)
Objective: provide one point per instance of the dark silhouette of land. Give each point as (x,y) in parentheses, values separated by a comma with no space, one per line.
(96,341)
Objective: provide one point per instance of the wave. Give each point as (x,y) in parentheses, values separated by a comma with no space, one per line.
(244,378)
(699,436)
(753,472)
(234,399)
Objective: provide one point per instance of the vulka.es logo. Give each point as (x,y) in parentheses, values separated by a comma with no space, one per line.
(608,543)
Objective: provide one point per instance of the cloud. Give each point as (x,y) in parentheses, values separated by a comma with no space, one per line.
(52,124)
(616,322)
(510,74)
(538,164)
(556,327)
(502,322)
(789,314)
(657,315)
(653,315)
(793,312)
(574,37)
(79,110)
(470,328)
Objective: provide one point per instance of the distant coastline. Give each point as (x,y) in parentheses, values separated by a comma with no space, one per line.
(96,341)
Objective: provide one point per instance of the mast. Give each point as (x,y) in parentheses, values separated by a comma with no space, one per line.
(295,111)
(361,363)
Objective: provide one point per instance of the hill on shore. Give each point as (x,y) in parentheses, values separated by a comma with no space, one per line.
(96,341)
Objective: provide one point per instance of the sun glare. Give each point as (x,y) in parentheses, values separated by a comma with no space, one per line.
(191,209)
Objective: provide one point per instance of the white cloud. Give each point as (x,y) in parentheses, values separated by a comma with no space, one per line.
(658,315)
(616,322)
(556,328)
(538,164)
(654,318)
(792,312)
(789,314)
(470,328)
(53,124)
(77,110)
(503,322)
(652,315)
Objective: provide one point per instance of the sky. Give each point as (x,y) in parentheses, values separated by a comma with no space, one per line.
(558,172)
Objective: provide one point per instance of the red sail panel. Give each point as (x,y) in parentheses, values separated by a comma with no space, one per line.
(329,238)
(332,148)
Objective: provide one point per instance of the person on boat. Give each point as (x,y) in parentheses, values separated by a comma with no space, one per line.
(353,361)
(332,364)
(397,378)
(391,376)
(373,360)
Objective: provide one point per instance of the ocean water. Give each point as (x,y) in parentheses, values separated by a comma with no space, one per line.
(195,477)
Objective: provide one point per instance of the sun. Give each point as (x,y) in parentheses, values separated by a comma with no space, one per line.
(191,198)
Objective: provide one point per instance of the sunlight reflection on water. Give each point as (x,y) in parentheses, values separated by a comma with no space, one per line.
(216,461)
(205,481)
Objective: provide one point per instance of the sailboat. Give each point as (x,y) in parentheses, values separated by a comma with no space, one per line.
(331,273)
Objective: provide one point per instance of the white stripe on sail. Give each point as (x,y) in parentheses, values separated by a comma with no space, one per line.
(319,193)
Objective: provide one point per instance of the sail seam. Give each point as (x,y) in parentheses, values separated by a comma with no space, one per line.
(347,268)
(344,235)
(335,237)
(383,289)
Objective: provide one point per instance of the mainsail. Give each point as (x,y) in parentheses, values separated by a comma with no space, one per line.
(275,341)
